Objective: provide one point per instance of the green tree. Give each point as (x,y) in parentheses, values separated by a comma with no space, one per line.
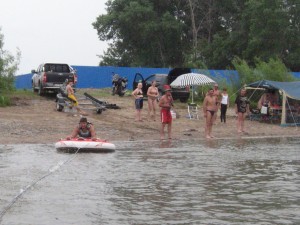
(261,29)
(200,33)
(291,54)
(142,33)
(8,67)
(274,69)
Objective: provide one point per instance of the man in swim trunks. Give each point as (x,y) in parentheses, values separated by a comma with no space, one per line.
(166,102)
(209,110)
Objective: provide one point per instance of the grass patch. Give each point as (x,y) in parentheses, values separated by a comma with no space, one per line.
(24,93)
(4,101)
(8,98)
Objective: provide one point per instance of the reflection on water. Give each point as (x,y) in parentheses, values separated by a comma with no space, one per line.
(197,182)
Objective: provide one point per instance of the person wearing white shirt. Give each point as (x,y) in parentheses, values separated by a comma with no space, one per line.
(224,105)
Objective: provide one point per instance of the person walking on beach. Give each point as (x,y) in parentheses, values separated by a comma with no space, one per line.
(209,110)
(152,94)
(241,109)
(166,102)
(224,105)
(138,95)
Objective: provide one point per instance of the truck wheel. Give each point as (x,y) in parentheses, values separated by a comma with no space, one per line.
(59,107)
(40,91)
(33,88)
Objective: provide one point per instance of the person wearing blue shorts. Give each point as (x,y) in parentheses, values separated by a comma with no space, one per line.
(138,95)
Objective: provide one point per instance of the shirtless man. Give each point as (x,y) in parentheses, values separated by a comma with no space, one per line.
(71,95)
(209,109)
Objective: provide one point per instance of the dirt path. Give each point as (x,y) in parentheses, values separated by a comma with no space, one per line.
(37,121)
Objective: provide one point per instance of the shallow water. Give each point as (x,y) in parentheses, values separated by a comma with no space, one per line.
(241,181)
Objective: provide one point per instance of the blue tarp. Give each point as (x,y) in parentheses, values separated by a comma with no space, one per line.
(292,89)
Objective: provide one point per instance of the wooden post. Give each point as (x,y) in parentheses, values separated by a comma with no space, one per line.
(283,113)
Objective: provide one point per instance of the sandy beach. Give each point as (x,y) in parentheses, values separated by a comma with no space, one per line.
(37,121)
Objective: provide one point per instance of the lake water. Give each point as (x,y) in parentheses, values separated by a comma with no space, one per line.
(242,181)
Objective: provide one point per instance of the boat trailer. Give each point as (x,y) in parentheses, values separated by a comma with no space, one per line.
(65,104)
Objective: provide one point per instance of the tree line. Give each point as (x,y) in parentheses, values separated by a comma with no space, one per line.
(200,33)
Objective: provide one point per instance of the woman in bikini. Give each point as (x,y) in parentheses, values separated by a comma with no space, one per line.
(138,95)
(152,94)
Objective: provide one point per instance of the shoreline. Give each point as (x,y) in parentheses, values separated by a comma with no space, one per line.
(36,121)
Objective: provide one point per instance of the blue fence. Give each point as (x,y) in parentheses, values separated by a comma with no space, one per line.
(101,77)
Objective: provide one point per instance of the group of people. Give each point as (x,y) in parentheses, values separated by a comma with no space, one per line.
(152,94)
(86,129)
(213,101)
(165,102)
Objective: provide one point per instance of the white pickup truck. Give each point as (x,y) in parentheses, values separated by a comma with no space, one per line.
(50,77)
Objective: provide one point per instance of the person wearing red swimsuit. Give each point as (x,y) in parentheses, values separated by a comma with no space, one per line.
(166,102)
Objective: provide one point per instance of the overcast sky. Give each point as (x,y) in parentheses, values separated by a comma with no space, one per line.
(52,31)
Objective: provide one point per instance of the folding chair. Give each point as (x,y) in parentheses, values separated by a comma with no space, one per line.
(193,111)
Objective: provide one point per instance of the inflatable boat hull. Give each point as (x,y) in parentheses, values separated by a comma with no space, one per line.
(85,145)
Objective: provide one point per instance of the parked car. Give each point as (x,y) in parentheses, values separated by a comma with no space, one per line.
(182,94)
(50,77)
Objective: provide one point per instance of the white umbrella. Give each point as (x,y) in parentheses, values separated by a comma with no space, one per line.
(192,79)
